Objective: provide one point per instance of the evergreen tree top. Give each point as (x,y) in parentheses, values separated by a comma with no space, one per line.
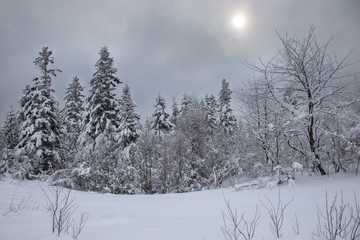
(74,91)
(160,101)
(210,100)
(105,67)
(42,63)
(175,111)
(225,93)
(11,129)
(126,92)
(126,102)
(101,109)
(160,122)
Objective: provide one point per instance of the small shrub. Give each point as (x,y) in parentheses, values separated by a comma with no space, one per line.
(339,220)
(18,207)
(237,226)
(18,167)
(276,213)
(61,207)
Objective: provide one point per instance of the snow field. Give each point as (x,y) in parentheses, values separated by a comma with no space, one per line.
(195,215)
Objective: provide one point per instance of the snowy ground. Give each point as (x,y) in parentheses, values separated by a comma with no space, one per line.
(174,216)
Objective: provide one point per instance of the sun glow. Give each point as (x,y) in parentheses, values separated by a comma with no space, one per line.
(239,21)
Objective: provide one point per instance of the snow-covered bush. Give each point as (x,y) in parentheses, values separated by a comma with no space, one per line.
(71,178)
(259,170)
(16,166)
(284,174)
(120,180)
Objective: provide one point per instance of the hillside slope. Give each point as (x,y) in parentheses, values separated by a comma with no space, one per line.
(196,215)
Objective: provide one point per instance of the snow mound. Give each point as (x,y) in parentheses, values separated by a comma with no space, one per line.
(262,182)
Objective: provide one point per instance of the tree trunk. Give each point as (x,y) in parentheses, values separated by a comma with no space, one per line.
(318,165)
(312,141)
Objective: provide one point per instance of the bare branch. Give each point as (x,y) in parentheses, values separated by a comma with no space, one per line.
(276,213)
(62,206)
(296,225)
(18,207)
(333,223)
(236,226)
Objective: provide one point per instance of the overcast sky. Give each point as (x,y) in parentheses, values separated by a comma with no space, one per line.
(171,47)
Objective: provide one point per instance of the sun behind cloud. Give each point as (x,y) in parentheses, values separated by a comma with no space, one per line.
(239,21)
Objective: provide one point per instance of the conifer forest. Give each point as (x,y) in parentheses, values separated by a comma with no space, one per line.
(300,110)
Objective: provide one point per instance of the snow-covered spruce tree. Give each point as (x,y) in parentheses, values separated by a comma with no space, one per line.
(130,127)
(160,122)
(227,119)
(192,125)
(10,162)
(2,148)
(175,112)
(211,113)
(24,102)
(39,112)
(99,140)
(146,160)
(128,132)
(180,174)
(11,130)
(220,146)
(100,114)
(185,102)
(2,143)
(73,111)
(160,126)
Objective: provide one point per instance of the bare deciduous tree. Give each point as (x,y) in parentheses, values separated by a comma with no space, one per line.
(307,82)
(264,119)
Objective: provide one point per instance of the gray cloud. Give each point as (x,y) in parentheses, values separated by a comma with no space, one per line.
(163,46)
